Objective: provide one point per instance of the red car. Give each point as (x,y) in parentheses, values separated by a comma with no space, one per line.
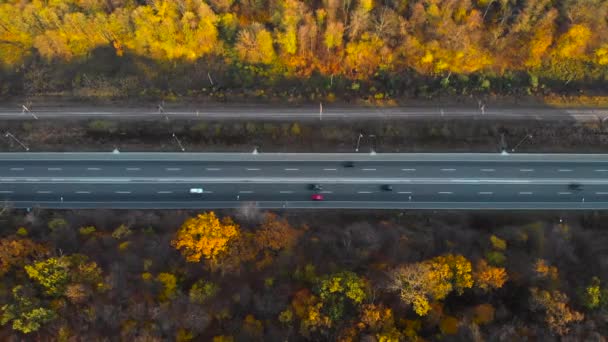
(317,197)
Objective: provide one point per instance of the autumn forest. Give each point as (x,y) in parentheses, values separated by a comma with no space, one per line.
(301,49)
(247,275)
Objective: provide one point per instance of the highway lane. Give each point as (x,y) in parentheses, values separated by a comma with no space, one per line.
(304,112)
(369,169)
(432,181)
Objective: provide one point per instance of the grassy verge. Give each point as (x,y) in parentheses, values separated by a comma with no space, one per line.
(448,135)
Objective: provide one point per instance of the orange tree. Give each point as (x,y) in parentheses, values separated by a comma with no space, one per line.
(489,277)
(205,236)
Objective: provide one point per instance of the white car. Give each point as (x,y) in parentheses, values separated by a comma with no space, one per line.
(196,190)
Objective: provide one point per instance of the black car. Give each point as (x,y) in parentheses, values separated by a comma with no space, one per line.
(349,164)
(575,186)
(315,187)
(387,187)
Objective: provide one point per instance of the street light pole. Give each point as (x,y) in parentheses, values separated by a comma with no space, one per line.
(10,135)
(178,142)
(358,141)
(320,111)
(25,109)
(521,142)
(161,109)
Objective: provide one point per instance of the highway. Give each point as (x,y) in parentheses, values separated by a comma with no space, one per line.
(232,180)
(304,112)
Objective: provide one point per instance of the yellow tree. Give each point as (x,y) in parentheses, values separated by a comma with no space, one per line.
(15,41)
(366,55)
(542,38)
(558,315)
(432,279)
(205,236)
(174,29)
(255,45)
(460,270)
(308,308)
(414,284)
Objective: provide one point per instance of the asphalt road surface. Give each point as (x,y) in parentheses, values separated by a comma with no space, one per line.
(308,112)
(230,180)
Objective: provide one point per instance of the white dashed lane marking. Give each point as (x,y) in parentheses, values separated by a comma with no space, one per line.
(54,169)
(44,192)
(526,170)
(291,169)
(252,169)
(445,192)
(564,193)
(133,169)
(245,192)
(173,169)
(408,170)
(93,168)
(213,169)
(448,170)
(485,192)
(164,192)
(525,192)
(16,169)
(488,170)
(83,192)
(123,192)
(329,169)
(564,170)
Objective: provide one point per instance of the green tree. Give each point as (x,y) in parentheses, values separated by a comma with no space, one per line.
(169,284)
(54,274)
(339,291)
(594,296)
(202,290)
(24,312)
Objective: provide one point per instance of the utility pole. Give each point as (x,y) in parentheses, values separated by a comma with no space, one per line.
(10,135)
(178,142)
